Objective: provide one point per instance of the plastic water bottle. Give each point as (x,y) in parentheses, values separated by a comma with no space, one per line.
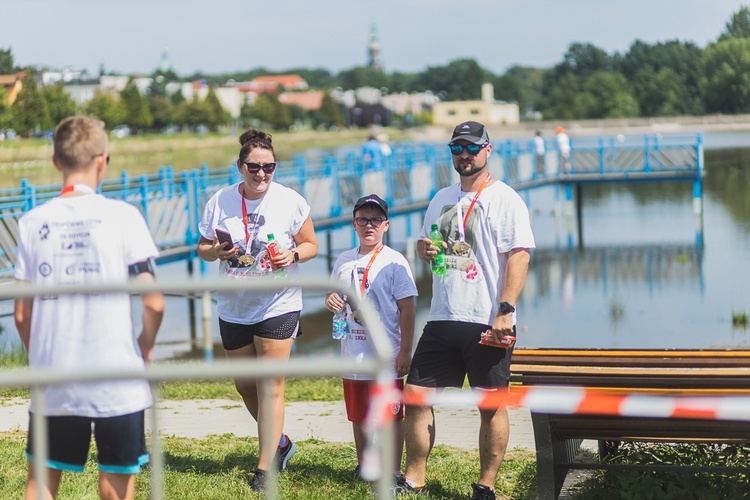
(273,251)
(438,263)
(340,327)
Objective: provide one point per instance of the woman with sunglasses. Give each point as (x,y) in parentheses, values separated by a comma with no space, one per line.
(236,227)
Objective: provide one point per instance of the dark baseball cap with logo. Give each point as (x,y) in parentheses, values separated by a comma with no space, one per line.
(374,200)
(474,132)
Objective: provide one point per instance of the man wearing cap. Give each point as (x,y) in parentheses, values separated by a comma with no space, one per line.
(381,274)
(471,327)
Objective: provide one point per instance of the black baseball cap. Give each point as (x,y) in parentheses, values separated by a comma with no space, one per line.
(474,132)
(372,199)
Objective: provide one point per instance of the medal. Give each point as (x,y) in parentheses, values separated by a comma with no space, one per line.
(461,249)
(246,260)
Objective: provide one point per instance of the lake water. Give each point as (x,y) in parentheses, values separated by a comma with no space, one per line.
(641,278)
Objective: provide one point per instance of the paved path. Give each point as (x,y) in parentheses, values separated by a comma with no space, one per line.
(325,421)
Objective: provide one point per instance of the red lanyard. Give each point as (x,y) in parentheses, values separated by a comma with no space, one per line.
(476,197)
(363,285)
(78,188)
(244,214)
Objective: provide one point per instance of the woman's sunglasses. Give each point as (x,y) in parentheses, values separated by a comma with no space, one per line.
(472,149)
(254,168)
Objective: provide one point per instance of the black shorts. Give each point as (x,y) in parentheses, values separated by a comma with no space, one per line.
(235,336)
(120,441)
(448,351)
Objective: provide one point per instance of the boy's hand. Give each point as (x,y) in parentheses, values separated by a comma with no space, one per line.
(402,363)
(334,302)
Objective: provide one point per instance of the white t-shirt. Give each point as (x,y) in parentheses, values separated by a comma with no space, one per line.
(388,280)
(281,212)
(539,145)
(83,240)
(563,144)
(473,282)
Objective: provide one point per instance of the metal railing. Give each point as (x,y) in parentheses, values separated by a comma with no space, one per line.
(262,370)
(172,202)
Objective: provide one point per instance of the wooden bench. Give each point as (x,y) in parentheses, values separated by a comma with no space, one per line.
(654,372)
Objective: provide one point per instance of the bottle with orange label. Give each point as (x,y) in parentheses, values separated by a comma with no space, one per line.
(273,252)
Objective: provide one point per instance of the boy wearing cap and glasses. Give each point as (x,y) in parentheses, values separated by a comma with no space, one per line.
(471,327)
(381,274)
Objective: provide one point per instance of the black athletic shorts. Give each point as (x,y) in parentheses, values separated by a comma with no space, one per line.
(448,351)
(235,336)
(120,441)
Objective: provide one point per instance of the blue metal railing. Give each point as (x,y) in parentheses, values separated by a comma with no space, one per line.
(172,202)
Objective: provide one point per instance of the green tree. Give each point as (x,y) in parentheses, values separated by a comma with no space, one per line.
(738,25)
(330,112)
(563,101)
(521,84)
(608,95)
(219,116)
(6,62)
(6,115)
(585,59)
(461,80)
(30,111)
(137,112)
(268,111)
(107,108)
(161,110)
(726,82)
(363,76)
(59,103)
(644,63)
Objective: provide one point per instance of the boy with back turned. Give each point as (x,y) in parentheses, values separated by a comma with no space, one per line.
(81,238)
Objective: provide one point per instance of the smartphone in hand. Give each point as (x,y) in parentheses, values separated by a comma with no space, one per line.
(224,237)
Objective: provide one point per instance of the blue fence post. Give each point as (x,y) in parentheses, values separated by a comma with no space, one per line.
(29,195)
(144,197)
(331,164)
(646,155)
(124,183)
(602,156)
(299,164)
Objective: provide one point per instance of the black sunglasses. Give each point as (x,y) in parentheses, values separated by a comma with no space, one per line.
(375,221)
(472,149)
(254,168)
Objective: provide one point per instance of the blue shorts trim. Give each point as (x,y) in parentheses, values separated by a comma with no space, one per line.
(123,469)
(52,464)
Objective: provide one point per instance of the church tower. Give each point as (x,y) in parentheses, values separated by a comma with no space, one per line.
(374,59)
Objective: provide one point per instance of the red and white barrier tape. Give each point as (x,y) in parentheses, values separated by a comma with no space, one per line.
(579,400)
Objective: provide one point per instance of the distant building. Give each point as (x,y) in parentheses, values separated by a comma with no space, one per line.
(487,110)
(414,104)
(310,100)
(13,84)
(271,83)
(374,59)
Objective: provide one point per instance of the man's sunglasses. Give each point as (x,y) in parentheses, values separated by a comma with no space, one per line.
(254,168)
(472,149)
(375,221)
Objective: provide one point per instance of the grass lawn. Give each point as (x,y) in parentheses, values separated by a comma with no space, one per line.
(220,467)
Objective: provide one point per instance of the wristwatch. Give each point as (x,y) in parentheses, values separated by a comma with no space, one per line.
(505,308)
(296,256)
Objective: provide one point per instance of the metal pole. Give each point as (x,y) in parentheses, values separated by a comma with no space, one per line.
(208,343)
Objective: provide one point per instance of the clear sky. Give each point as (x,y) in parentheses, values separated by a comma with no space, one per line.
(216,36)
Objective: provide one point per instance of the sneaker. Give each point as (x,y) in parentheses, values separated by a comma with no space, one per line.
(482,492)
(258,482)
(404,488)
(284,454)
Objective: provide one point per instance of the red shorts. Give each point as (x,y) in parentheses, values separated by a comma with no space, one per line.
(357,399)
